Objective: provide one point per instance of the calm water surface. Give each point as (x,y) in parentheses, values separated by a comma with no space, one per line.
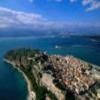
(12,84)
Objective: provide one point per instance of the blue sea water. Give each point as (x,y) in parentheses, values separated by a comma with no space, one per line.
(12,83)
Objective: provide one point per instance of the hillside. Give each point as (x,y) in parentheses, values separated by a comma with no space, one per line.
(55,77)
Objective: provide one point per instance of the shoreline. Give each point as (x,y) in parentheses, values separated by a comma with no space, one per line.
(31,94)
(93,77)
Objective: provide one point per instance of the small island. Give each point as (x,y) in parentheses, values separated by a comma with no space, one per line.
(55,77)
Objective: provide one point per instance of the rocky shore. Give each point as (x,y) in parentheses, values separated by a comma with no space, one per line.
(31,93)
(55,77)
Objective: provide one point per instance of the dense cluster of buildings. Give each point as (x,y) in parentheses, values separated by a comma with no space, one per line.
(74,74)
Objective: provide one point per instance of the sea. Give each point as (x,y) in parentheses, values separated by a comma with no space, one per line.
(12,83)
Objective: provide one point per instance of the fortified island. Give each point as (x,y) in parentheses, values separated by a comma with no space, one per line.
(55,77)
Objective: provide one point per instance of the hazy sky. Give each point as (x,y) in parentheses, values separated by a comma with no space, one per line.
(39,11)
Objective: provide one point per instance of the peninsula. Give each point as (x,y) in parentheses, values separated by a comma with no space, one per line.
(56,77)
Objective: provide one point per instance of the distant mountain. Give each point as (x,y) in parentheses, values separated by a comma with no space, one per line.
(43,33)
(22,32)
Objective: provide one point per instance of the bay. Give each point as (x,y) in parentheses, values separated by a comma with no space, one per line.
(12,83)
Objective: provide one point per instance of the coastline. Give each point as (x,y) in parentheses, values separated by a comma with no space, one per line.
(31,94)
(92,73)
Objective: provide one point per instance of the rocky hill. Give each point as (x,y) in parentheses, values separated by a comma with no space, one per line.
(55,77)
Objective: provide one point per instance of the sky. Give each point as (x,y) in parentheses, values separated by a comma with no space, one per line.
(48,12)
